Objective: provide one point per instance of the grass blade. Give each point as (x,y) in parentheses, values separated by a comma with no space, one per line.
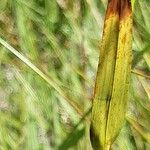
(40,73)
(113,76)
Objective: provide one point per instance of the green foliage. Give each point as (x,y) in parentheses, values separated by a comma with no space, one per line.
(40,105)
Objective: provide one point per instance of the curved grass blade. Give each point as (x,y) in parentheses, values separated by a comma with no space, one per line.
(42,75)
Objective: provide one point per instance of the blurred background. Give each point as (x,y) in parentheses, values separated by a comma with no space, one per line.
(47,87)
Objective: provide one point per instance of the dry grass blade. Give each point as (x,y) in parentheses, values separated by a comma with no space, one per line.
(113,76)
(143,132)
(141,73)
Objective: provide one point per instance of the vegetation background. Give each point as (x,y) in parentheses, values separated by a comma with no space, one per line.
(45,103)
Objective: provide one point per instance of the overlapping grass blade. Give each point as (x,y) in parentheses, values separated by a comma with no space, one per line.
(113,76)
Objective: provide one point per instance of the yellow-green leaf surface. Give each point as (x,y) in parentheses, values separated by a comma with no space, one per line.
(113,75)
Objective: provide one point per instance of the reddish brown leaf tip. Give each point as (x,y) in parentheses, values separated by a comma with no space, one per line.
(125,9)
(113,8)
(119,7)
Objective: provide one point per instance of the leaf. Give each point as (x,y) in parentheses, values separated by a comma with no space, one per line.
(113,75)
(72,140)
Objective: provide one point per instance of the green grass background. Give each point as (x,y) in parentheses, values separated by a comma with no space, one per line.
(45,96)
